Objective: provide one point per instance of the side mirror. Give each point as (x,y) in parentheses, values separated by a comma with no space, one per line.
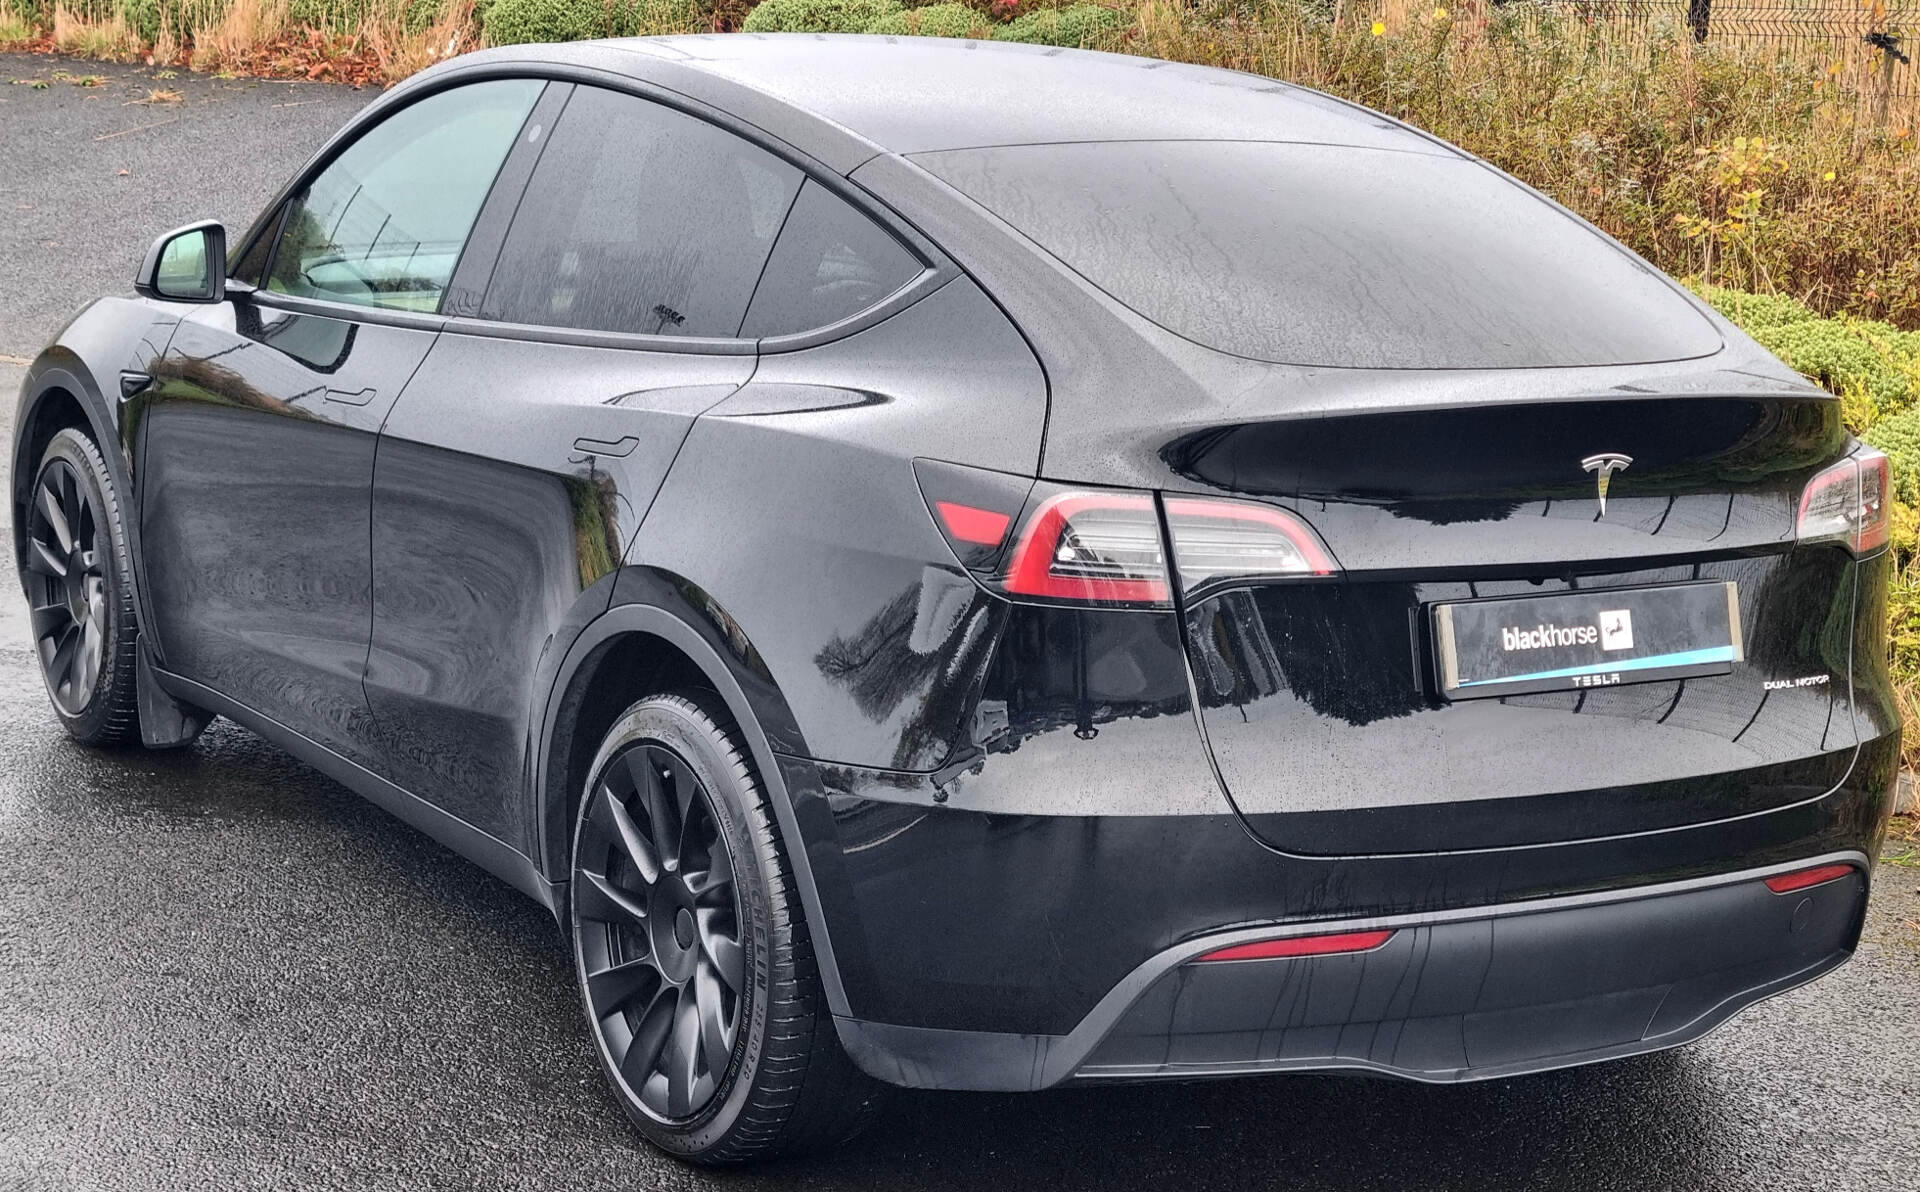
(186,265)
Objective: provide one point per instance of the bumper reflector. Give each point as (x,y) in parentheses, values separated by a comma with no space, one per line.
(1786,883)
(1305,945)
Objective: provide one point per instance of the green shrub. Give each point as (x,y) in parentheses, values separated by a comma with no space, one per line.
(1899,436)
(939,20)
(340,16)
(1751,312)
(1832,354)
(1075,26)
(419,15)
(655,18)
(515,22)
(818,16)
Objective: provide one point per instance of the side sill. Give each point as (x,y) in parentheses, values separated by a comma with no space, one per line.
(495,856)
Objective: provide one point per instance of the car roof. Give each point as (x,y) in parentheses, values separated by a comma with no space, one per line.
(911,95)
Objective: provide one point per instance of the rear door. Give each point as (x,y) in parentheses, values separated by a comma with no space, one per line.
(538,430)
(258,435)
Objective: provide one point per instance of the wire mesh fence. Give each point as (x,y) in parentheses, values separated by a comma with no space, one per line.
(1868,46)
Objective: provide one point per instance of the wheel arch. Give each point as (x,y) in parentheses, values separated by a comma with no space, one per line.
(60,393)
(665,634)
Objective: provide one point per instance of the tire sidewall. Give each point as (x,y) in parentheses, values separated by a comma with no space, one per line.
(79,453)
(680,726)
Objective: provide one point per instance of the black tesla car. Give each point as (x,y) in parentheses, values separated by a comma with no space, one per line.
(979,567)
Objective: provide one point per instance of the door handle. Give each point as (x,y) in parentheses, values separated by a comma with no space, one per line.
(359,398)
(133,382)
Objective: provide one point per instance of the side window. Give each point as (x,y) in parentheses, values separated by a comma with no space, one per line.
(831,262)
(383,225)
(640,218)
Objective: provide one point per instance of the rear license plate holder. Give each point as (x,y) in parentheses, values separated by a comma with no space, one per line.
(1511,645)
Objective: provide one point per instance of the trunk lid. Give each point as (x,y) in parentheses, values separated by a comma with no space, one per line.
(1322,701)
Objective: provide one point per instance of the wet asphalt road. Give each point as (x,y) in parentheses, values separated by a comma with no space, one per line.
(220,970)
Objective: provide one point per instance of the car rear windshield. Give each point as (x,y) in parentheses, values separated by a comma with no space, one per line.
(1334,255)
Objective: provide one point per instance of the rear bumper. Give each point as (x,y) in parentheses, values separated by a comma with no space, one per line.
(1459,995)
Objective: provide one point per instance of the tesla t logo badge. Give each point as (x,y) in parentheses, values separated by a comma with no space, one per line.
(1604,466)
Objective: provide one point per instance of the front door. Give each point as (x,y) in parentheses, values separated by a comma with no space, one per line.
(258,439)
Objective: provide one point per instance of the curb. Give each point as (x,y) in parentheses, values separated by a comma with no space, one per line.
(1903,793)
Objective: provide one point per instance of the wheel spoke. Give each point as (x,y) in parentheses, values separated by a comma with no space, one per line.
(729,962)
(612,988)
(42,561)
(85,665)
(717,877)
(50,505)
(47,618)
(643,1053)
(620,825)
(59,665)
(686,789)
(716,1041)
(682,1056)
(601,900)
(663,818)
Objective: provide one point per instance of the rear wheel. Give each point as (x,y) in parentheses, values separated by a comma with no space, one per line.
(694,961)
(80,602)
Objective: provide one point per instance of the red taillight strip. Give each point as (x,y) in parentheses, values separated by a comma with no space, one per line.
(1786,883)
(1290,527)
(982,527)
(1303,945)
(1030,572)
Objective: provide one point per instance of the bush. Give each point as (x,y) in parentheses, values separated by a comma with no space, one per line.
(141,16)
(1899,437)
(515,22)
(818,16)
(1751,312)
(1078,25)
(939,20)
(1834,355)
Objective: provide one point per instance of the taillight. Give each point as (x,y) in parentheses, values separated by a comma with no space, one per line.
(1109,546)
(1105,547)
(1091,547)
(1848,502)
(1215,541)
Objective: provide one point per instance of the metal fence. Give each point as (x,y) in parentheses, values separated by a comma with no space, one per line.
(1868,46)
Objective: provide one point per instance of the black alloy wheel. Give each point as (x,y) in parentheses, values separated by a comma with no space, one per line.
(69,604)
(80,607)
(657,920)
(695,964)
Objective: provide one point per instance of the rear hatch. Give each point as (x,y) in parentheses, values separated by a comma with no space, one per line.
(1468,397)
(1497,661)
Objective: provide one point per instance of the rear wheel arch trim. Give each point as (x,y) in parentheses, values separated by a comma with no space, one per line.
(631,619)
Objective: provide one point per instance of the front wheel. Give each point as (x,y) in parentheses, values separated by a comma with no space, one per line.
(79,599)
(695,965)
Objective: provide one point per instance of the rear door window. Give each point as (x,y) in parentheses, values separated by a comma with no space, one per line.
(641,219)
(383,224)
(831,263)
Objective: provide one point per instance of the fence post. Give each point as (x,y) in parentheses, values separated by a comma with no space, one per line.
(1889,46)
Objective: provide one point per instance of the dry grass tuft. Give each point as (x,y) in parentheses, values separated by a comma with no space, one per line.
(109,39)
(14,27)
(400,53)
(230,38)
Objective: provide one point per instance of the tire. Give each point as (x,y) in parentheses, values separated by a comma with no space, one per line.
(80,602)
(720,929)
